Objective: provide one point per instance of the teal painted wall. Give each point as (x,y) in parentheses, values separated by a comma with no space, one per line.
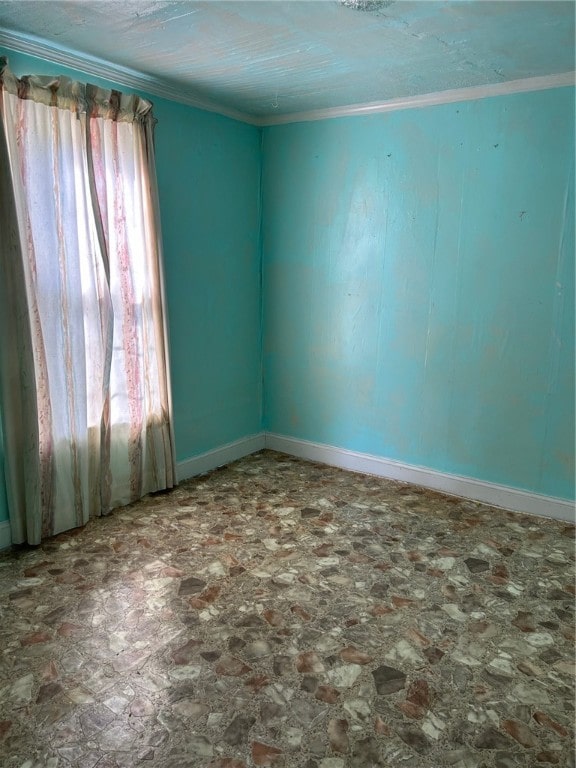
(418,282)
(419,287)
(210,226)
(208,169)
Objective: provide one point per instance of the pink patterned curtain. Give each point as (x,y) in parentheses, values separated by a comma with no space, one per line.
(83,347)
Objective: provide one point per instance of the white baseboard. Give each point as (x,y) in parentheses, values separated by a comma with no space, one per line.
(197,465)
(5,535)
(455,485)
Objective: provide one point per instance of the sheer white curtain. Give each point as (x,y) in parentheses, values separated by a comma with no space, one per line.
(83,356)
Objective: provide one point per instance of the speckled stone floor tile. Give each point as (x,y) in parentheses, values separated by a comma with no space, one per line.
(281,613)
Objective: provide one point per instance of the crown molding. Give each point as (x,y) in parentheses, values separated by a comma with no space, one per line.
(130,78)
(450,96)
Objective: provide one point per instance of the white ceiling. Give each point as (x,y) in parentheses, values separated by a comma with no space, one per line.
(280,57)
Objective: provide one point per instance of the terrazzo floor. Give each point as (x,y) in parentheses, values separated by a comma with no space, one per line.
(281,613)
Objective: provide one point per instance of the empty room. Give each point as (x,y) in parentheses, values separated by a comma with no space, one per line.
(287,384)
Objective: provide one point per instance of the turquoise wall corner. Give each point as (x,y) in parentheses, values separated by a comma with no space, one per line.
(419,287)
(406,280)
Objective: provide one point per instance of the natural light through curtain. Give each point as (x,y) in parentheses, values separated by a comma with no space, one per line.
(83,356)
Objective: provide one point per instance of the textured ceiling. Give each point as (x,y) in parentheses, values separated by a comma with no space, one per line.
(277,57)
